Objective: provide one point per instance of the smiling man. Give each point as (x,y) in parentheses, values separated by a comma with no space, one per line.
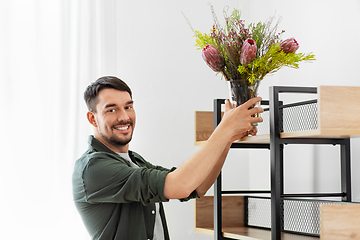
(118,193)
(113,117)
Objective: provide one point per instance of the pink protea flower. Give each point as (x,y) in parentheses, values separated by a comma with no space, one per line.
(213,58)
(289,45)
(248,51)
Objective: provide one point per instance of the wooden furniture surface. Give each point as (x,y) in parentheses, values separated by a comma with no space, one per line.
(339,110)
(340,221)
(338,117)
(233,211)
(233,208)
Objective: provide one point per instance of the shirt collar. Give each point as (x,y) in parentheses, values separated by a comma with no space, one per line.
(97,145)
(100,147)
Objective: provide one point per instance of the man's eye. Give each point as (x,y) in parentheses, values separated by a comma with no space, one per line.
(111,110)
(128,107)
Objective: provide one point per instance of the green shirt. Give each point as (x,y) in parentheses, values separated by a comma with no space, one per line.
(115,200)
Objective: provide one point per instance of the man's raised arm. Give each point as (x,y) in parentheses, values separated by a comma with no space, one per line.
(200,170)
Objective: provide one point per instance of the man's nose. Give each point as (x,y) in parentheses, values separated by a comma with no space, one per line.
(123,116)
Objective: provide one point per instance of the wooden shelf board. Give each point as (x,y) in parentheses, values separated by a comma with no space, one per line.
(258,139)
(317,133)
(265,138)
(248,233)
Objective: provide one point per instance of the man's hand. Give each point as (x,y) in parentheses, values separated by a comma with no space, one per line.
(240,119)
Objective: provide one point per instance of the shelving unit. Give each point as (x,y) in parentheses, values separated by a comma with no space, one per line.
(333,118)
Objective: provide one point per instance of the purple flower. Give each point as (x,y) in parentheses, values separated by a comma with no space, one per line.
(248,51)
(213,58)
(289,45)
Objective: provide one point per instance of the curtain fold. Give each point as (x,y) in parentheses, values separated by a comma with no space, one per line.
(50,51)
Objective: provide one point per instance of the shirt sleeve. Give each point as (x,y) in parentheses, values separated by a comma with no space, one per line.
(106,179)
(149,165)
(191,196)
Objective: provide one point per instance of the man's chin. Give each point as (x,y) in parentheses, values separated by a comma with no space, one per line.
(117,141)
(120,142)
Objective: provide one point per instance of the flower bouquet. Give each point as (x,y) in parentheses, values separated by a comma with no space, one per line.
(245,55)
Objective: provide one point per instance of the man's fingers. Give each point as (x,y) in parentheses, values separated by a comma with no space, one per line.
(227,105)
(252,102)
(253,131)
(256,119)
(254,110)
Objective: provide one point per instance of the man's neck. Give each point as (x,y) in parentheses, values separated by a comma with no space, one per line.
(112,147)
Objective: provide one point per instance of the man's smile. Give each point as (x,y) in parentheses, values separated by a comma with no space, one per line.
(122,128)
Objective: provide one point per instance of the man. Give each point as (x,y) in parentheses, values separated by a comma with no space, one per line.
(117,193)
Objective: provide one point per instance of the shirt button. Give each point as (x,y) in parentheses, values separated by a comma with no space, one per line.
(153,211)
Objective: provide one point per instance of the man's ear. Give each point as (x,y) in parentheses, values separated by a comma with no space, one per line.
(91,118)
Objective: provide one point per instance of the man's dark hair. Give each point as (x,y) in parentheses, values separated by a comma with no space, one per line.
(92,91)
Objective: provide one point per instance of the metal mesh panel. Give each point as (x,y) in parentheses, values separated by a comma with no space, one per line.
(259,214)
(300,116)
(264,127)
(299,216)
(302,216)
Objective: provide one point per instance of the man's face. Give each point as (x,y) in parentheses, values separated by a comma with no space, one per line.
(114,119)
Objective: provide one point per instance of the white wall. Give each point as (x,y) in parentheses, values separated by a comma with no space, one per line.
(152,49)
(330,29)
(156,56)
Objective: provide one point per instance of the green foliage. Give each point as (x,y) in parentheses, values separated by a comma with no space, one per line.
(271,62)
(203,39)
(229,39)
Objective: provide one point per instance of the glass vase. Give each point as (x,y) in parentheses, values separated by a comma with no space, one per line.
(241,91)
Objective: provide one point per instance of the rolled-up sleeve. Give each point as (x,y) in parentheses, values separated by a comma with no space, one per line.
(110,180)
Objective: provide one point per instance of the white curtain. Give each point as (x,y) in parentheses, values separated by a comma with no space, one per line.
(49,53)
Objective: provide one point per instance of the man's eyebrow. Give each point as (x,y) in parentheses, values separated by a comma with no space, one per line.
(109,105)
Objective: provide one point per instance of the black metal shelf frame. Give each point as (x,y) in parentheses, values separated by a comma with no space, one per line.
(276,148)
